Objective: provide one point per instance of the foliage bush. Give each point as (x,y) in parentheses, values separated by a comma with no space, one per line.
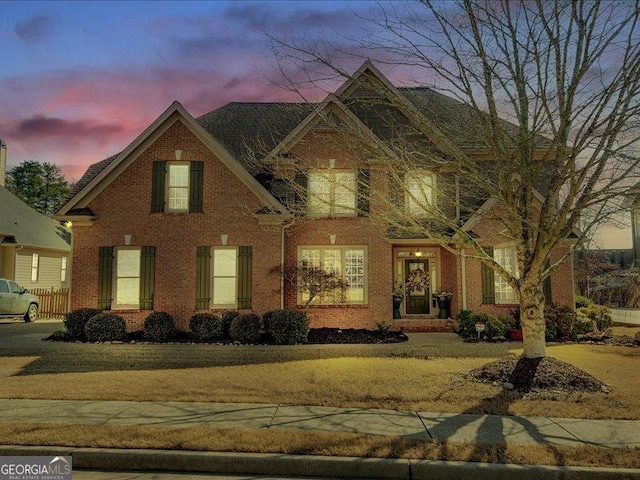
(287,327)
(562,323)
(105,327)
(246,328)
(494,326)
(160,326)
(583,301)
(596,313)
(227,318)
(76,320)
(206,327)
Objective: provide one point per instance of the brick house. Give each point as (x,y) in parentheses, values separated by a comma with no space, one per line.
(203,214)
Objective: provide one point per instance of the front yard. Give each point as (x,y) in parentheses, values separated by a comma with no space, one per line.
(424,376)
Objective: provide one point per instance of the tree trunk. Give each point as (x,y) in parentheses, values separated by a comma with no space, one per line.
(532,320)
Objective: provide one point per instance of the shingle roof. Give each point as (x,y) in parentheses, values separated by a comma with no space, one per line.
(249,131)
(28,227)
(89,175)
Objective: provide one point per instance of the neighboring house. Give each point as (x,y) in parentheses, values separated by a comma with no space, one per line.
(35,251)
(200,214)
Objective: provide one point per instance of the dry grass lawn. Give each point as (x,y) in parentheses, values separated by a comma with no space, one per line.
(310,443)
(378,382)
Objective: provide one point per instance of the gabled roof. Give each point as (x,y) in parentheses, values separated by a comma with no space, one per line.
(101,174)
(28,227)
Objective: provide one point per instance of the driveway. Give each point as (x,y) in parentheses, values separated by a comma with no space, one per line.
(19,339)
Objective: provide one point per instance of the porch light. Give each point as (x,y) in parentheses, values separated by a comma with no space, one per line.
(418,253)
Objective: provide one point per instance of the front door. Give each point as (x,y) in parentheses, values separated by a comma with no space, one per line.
(416,273)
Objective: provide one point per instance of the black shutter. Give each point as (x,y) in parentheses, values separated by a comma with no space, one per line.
(196,171)
(157,186)
(488,282)
(244,277)
(203,278)
(300,192)
(147,277)
(363,192)
(105,277)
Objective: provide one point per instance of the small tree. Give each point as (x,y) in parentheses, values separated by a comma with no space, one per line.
(42,186)
(315,282)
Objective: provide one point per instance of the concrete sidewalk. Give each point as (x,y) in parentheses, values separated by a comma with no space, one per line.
(441,426)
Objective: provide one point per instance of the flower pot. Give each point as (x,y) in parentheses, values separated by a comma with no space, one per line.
(515,335)
(397,302)
(443,310)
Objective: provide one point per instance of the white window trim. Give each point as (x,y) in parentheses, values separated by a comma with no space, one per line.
(116,305)
(217,306)
(332,183)
(513,298)
(342,248)
(35,267)
(168,187)
(409,199)
(63,269)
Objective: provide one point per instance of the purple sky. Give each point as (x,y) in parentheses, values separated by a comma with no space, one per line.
(80,80)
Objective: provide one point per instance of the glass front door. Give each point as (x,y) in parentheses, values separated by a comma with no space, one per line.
(417,286)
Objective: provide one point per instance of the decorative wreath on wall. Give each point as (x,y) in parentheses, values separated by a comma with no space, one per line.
(417,280)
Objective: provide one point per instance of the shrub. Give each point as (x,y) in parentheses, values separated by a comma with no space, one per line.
(227,318)
(561,322)
(597,313)
(207,327)
(246,328)
(160,326)
(105,327)
(498,326)
(60,336)
(466,328)
(287,327)
(583,301)
(76,320)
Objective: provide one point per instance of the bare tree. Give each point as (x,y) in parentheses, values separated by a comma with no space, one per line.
(550,129)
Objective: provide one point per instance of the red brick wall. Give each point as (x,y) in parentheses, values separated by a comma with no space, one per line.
(124,208)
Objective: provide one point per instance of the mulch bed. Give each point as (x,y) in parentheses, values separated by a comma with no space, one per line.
(547,373)
(352,335)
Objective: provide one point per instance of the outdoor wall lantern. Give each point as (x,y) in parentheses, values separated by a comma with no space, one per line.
(418,253)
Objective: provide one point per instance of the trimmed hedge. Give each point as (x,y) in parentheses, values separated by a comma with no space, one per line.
(246,328)
(493,326)
(286,327)
(105,327)
(206,327)
(227,318)
(160,326)
(76,320)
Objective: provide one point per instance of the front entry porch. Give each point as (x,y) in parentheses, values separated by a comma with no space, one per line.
(417,275)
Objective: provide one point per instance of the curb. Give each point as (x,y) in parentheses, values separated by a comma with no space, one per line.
(106,459)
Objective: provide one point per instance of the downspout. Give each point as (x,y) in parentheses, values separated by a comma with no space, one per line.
(463,267)
(285,225)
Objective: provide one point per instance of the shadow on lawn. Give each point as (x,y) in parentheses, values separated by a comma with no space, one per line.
(490,434)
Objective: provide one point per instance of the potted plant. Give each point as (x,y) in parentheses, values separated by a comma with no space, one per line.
(444,303)
(515,333)
(397,301)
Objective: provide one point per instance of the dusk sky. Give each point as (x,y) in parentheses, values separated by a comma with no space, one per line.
(80,80)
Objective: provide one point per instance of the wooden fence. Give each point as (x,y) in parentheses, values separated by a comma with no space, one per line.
(53,303)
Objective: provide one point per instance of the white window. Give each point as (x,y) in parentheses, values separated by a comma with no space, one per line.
(332,192)
(178,187)
(63,269)
(347,263)
(127,278)
(35,261)
(225,275)
(418,195)
(506,257)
